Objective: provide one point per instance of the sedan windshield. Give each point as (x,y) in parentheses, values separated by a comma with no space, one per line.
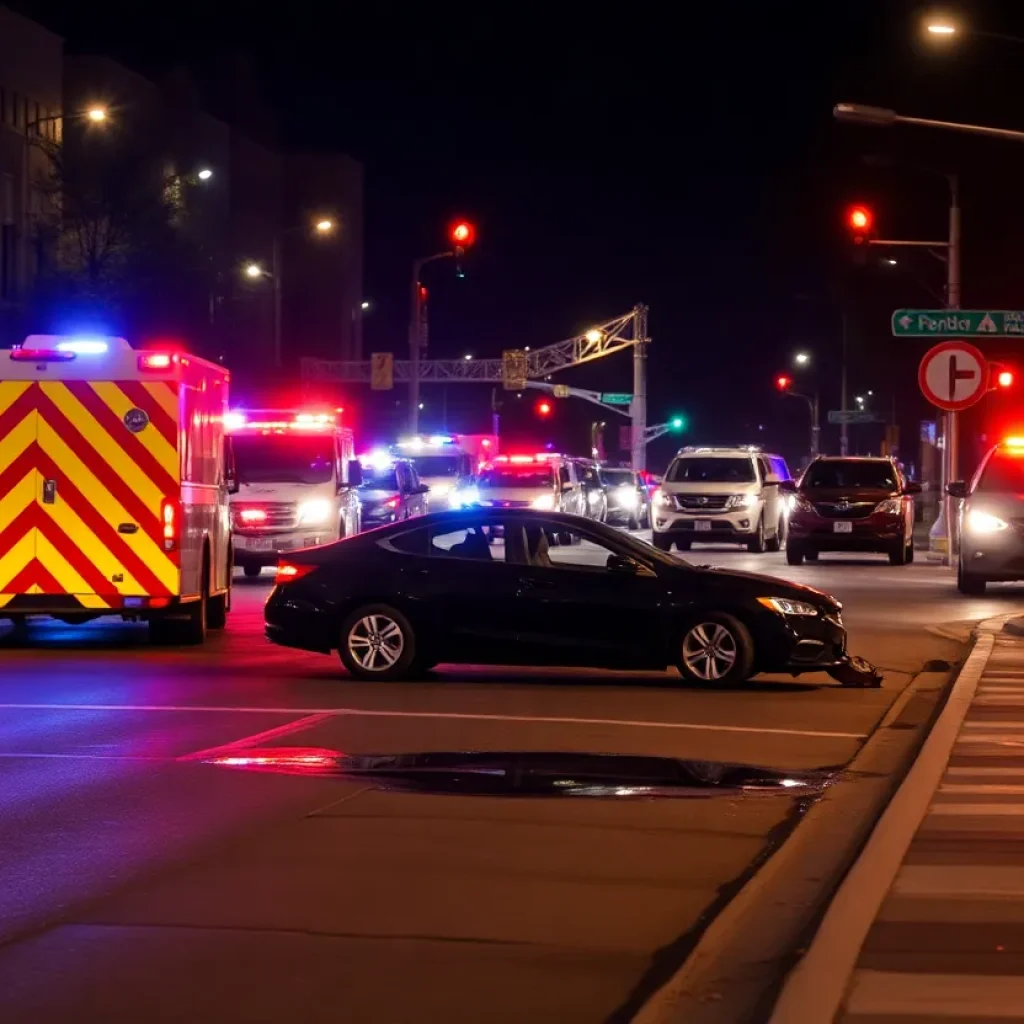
(284,458)
(852,474)
(618,477)
(517,476)
(1004,474)
(436,465)
(380,479)
(711,470)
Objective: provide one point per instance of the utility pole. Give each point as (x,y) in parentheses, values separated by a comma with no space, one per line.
(415,347)
(638,406)
(844,430)
(275,275)
(949,454)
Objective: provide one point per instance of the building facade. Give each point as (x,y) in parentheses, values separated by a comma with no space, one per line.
(31,84)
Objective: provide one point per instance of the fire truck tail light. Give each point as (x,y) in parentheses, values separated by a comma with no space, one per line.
(170,516)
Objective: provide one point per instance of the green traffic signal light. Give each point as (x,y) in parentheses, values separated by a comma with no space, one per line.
(677,424)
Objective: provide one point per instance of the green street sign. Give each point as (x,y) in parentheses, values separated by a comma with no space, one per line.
(613,398)
(957,323)
(853,416)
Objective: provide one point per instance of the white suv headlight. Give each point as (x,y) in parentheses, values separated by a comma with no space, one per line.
(663,499)
(316,510)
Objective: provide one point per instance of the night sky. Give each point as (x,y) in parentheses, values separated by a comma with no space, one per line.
(684,157)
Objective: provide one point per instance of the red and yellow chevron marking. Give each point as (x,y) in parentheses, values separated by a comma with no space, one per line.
(73,432)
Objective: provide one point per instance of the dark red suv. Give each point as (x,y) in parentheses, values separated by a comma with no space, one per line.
(851,504)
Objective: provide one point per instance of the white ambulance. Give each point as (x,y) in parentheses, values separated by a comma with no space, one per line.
(297,478)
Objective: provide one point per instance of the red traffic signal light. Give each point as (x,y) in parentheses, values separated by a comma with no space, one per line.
(543,408)
(783,382)
(462,234)
(860,222)
(1000,376)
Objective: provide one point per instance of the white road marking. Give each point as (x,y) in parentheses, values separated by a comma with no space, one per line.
(307,722)
(455,716)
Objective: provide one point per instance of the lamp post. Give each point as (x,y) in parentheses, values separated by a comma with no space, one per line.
(253,270)
(802,360)
(95,115)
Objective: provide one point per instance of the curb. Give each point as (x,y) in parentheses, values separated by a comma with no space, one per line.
(814,990)
(748,946)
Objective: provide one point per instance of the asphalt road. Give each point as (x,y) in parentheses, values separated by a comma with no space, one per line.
(142,883)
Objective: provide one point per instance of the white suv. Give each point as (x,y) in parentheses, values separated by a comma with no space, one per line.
(721,495)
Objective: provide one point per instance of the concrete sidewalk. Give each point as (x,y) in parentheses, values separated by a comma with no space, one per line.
(942,882)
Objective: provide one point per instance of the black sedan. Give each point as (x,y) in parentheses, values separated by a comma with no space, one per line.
(486,586)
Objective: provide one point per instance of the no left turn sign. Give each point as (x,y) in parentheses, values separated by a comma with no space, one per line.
(953,375)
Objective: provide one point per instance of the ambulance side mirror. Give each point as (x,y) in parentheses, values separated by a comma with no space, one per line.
(355,473)
(230,472)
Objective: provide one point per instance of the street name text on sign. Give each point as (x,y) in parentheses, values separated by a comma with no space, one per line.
(614,398)
(953,375)
(853,416)
(952,323)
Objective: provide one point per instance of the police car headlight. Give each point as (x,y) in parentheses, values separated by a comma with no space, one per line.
(983,522)
(440,490)
(545,502)
(594,497)
(627,496)
(463,498)
(316,511)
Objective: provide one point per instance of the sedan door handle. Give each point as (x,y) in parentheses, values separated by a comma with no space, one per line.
(530,584)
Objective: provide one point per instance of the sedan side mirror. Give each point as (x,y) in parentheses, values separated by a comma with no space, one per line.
(912,488)
(787,486)
(622,563)
(957,489)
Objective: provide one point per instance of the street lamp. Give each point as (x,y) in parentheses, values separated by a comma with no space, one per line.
(467,357)
(253,270)
(364,305)
(205,174)
(324,226)
(593,335)
(95,114)
(802,358)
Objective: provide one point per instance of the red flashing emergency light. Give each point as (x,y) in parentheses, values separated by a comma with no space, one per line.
(158,360)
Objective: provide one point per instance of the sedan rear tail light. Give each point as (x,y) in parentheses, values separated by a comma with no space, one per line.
(288,572)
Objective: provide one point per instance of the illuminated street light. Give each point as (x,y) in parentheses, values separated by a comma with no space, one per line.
(324,226)
(593,335)
(467,357)
(96,114)
(802,358)
(205,174)
(890,262)
(253,270)
(941,27)
(365,304)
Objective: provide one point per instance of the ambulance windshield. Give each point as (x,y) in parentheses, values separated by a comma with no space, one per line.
(436,465)
(284,458)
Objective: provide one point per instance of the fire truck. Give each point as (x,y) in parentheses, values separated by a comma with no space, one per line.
(114,486)
(298,481)
(445,463)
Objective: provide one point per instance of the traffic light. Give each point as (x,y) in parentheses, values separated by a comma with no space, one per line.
(677,424)
(1000,376)
(860,223)
(783,382)
(543,407)
(462,234)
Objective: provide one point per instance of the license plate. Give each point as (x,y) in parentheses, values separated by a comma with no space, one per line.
(259,543)
(702,526)
(842,527)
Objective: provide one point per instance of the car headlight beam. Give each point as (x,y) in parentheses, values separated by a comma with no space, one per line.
(985,522)
(314,511)
(786,606)
(546,502)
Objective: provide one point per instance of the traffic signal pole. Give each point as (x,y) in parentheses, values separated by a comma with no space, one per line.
(638,407)
(949,454)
